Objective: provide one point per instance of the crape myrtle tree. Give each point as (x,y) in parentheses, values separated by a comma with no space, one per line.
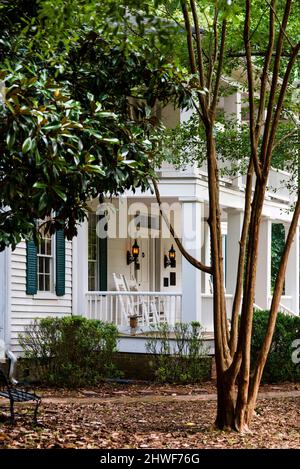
(68,132)
(258,39)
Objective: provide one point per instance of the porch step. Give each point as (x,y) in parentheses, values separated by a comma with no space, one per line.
(136,343)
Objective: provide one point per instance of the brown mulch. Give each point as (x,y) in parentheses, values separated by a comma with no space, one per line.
(145,388)
(135,388)
(147,422)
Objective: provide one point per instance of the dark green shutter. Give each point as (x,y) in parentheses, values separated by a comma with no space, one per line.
(60,262)
(31,268)
(103,262)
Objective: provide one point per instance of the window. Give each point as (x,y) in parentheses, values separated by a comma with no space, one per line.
(92,253)
(45,262)
(97,257)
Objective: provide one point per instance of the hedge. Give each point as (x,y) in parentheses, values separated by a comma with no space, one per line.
(279,366)
(71,351)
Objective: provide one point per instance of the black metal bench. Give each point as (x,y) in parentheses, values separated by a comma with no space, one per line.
(16,394)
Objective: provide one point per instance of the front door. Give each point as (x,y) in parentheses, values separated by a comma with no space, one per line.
(145,276)
(143,273)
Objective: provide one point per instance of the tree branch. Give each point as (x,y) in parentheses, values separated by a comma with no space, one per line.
(198,43)
(264,76)
(279,106)
(198,110)
(241,262)
(263,354)
(212,56)
(272,7)
(285,137)
(258,23)
(268,123)
(199,265)
(255,54)
(219,69)
(189,35)
(247,43)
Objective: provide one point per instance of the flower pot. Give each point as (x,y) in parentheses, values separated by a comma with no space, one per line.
(133,322)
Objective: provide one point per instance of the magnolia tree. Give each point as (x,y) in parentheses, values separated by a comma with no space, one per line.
(68,131)
(258,37)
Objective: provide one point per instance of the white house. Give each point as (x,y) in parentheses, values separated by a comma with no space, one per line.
(91,276)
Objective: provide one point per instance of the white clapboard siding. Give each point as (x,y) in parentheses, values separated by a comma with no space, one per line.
(26,308)
(3,293)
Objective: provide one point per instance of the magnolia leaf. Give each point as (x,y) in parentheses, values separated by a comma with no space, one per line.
(111,140)
(106,114)
(90,96)
(131,163)
(94,169)
(39,185)
(26,145)
(60,193)
(52,126)
(10,139)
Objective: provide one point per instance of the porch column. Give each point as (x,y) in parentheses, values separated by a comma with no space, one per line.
(233,107)
(292,272)
(263,274)
(80,270)
(233,112)
(234,229)
(207,257)
(191,210)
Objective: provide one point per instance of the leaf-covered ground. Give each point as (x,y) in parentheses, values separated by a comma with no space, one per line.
(149,417)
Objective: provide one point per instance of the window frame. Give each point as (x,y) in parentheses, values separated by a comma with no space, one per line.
(100,262)
(52,268)
(96,260)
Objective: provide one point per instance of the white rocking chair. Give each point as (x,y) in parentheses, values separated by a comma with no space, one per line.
(135,305)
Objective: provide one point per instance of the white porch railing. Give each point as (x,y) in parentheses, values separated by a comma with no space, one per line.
(285,310)
(285,300)
(207,316)
(278,181)
(154,307)
(278,184)
(150,307)
(285,305)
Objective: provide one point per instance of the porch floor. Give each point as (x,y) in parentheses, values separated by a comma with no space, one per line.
(136,342)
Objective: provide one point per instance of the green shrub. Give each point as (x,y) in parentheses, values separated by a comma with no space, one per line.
(70,351)
(182,359)
(279,366)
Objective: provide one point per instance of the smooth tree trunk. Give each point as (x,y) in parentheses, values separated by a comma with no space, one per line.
(236,392)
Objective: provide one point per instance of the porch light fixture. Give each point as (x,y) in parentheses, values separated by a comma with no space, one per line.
(133,256)
(171,260)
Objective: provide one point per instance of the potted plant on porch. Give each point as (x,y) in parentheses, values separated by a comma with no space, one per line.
(133,322)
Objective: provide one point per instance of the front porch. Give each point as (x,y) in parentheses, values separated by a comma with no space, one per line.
(149,307)
(152,308)
(155,291)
